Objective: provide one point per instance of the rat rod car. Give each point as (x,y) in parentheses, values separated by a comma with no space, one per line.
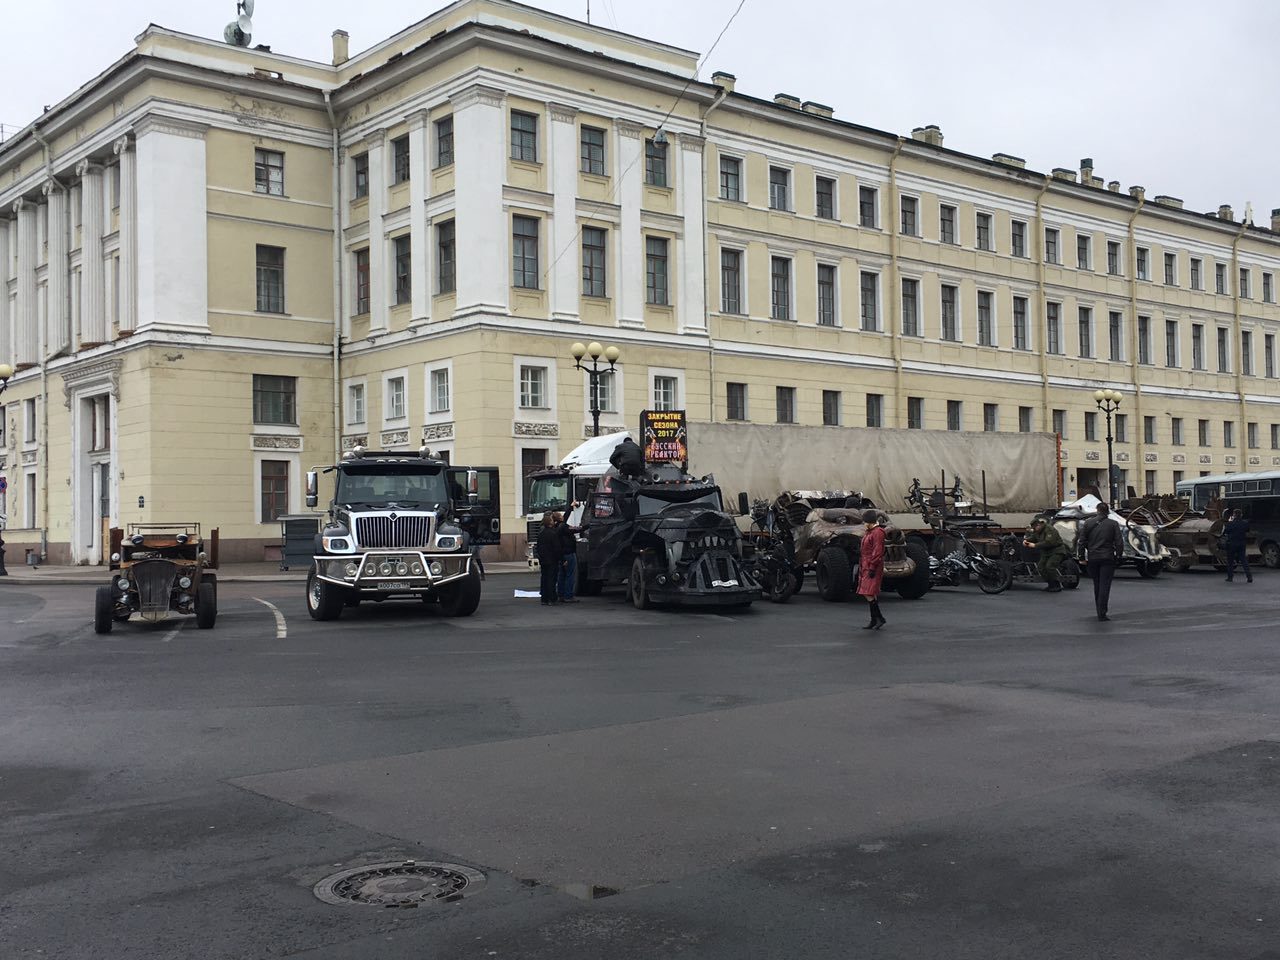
(158,569)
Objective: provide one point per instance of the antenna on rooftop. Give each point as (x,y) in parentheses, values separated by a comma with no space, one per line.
(240,30)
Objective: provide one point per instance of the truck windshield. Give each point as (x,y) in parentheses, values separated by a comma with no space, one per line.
(707,499)
(385,484)
(547,493)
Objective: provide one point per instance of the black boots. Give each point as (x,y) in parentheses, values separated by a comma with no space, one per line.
(877,621)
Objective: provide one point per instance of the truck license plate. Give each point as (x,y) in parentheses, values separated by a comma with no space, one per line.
(392,585)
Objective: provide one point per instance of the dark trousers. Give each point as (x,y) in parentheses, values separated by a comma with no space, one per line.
(550,572)
(1237,555)
(1102,572)
(568,576)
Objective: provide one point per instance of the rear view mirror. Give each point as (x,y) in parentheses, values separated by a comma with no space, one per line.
(744,505)
(473,486)
(313,488)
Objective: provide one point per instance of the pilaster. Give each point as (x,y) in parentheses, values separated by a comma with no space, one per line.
(57,312)
(630,173)
(482,231)
(128,292)
(6,321)
(93,318)
(419,180)
(377,236)
(26,336)
(565,280)
(690,184)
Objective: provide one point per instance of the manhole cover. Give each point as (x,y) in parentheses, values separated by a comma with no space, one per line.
(407,883)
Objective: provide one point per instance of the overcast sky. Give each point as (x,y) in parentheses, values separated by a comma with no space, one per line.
(1176,95)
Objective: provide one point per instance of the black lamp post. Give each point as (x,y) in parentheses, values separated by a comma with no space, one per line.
(1108,402)
(6,372)
(594,351)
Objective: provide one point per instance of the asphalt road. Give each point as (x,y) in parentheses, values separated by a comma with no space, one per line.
(986,777)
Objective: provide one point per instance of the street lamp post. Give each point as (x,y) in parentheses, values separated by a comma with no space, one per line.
(1108,402)
(594,371)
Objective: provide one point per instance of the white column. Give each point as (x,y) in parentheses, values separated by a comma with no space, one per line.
(172,225)
(483,246)
(127,295)
(26,340)
(630,171)
(377,236)
(692,280)
(419,239)
(93,317)
(57,334)
(564,251)
(6,321)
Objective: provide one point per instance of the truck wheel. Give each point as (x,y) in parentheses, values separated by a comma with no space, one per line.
(206,606)
(324,600)
(917,585)
(835,575)
(798,574)
(1271,554)
(636,586)
(1149,569)
(104,605)
(996,577)
(1180,564)
(462,598)
(1069,573)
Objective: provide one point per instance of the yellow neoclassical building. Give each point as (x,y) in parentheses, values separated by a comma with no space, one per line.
(222,265)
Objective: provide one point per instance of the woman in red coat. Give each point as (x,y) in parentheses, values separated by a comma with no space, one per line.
(871,566)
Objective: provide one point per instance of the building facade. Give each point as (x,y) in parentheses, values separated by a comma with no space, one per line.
(221,266)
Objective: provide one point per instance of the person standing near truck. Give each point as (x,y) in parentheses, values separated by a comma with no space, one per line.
(568,558)
(1104,547)
(1236,532)
(871,567)
(550,548)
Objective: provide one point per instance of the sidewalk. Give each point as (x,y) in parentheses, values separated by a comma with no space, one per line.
(227,573)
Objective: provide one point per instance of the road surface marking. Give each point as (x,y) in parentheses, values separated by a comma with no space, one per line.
(173,633)
(282,630)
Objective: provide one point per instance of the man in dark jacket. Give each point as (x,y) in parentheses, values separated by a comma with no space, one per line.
(568,559)
(1236,532)
(550,548)
(1104,546)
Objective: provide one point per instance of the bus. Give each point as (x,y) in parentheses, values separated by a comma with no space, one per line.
(1255,495)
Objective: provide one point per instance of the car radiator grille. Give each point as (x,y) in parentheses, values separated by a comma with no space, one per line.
(155,585)
(532,531)
(402,532)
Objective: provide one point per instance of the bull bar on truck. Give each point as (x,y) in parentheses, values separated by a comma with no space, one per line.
(390,570)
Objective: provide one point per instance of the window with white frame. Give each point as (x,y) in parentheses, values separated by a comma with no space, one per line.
(1197,273)
(605,392)
(1224,350)
(869,290)
(868,207)
(1171,269)
(730,178)
(1171,343)
(1268,355)
(1175,431)
(826,295)
(1144,263)
(785,404)
(735,401)
(875,409)
(779,188)
(1051,254)
(524,252)
(1113,258)
(655,163)
(730,281)
(268,172)
(355,404)
(444,142)
(910,305)
(593,262)
(780,288)
(1018,238)
(360,175)
(524,136)
(950,297)
(592,151)
(986,326)
(29,420)
(1085,322)
(666,392)
(1084,252)
(1020,327)
(985,235)
(657,283)
(955,415)
(910,216)
(1197,346)
(1245,277)
(438,396)
(831,412)
(1024,419)
(1220,277)
(401,164)
(990,417)
(394,407)
(1149,430)
(1144,340)
(274,481)
(915,413)
(1246,353)
(946,223)
(533,387)
(824,192)
(1268,288)
(1053,327)
(1115,335)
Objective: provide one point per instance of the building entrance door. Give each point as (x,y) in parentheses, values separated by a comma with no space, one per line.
(1090,480)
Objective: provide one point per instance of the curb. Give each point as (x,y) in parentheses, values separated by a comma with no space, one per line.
(63,581)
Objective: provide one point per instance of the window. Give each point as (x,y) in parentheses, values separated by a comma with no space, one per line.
(1020,324)
(1228,433)
(655,271)
(779,188)
(1224,351)
(274,400)
(1220,277)
(1144,339)
(986,332)
(984,231)
(1244,283)
(268,172)
(868,204)
(1175,431)
(1113,258)
(1171,343)
(910,307)
(785,403)
(953,415)
(360,168)
(400,167)
(1144,263)
(950,320)
(605,392)
(270,279)
(1060,423)
(1052,328)
(990,417)
(355,403)
(1122,428)
(1269,355)
(362,281)
(275,490)
(404,270)
(915,413)
(875,410)
(666,392)
(1018,238)
(446,258)
(869,288)
(1246,353)
(533,387)
(1268,288)
(736,401)
(1197,346)
(1090,426)
(438,391)
(444,142)
(592,153)
(1024,419)
(1085,323)
(655,163)
(1197,273)
(731,281)
(1251,435)
(730,178)
(1051,245)
(593,262)
(1115,334)
(910,216)
(1150,480)
(780,288)
(1171,269)
(532,459)
(1084,259)
(394,408)
(825,198)
(1203,432)
(831,408)
(524,136)
(524,252)
(826,295)
(1149,430)
(946,223)
(1177,477)
(1275,436)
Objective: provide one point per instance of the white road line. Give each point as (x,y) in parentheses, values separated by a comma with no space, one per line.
(173,633)
(282,629)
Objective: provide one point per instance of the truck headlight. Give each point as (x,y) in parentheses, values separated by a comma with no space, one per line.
(184,583)
(371,570)
(447,543)
(385,569)
(115,558)
(402,569)
(336,544)
(352,569)
(437,568)
(123,583)
(417,569)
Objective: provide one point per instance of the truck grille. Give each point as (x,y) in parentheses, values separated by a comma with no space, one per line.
(401,532)
(532,531)
(154,579)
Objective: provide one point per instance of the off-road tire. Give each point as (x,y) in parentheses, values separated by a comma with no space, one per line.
(104,605)
(798,574)
(834,575)
(1149,569)
(1271,554)
(917,585)
(462,597)
(206,606)
(1180,564)
(636,588)
(1069,574)
(324,600)
(997,578)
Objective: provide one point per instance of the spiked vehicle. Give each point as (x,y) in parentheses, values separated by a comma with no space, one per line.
(158,570)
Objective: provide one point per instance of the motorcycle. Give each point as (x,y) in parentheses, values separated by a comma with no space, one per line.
(770,553)
(1022,562)
(993,576)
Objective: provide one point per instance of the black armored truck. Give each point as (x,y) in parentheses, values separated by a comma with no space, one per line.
(402,526)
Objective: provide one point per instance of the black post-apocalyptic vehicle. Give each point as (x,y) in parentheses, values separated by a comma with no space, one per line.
(158,569)
(402,525)
(666,535)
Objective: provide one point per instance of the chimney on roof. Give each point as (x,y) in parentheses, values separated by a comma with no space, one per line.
(932,135)
(1275,219)
(1226,213)
(1086,170)
(1167,201)
(786,100)
(818,109)
(1114,186)
(341,47)
(1009,160)
(725,81)
(1062,173)
(1138,193)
